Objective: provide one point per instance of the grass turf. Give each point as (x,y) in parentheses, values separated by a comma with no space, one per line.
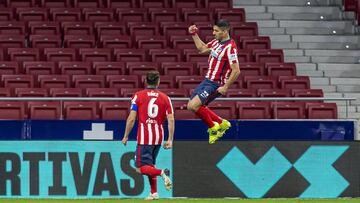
(347,200)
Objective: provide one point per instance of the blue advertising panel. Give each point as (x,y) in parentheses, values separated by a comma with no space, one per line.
(75,169)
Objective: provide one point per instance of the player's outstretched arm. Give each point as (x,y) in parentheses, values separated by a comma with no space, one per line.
(200,45)
(171,128)
(235,72)
(129,126)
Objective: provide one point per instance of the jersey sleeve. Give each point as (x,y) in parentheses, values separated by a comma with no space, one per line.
(134,103)
(232,55)
(211,43)
(169,109)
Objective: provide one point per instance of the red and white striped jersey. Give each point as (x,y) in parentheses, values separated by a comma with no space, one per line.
(222,55)
(152,107)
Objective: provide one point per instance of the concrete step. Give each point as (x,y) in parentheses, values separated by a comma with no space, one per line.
(338,67)
(284,45)
(353,95)
(298,59)
(293,52)
(326,38)
(316,73)
(271,31)
(334,59)
(348,88)
(345,74)
(325,88)
(327,45)
(259,16)
(280,38)
(288,2)
(306,66)
(349,109)
(319,81)
(325,10)
(353,53)
(267,23)
(352,115)
(251,8)
(318,31)
(307,16)
(316,24)
(344,81)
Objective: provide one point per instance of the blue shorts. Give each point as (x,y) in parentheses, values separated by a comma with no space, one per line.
(206,91)
(146,155)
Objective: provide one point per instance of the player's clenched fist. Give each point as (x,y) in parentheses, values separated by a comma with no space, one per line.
(193,29)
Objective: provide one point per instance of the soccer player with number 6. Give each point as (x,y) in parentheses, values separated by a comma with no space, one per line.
(152,107)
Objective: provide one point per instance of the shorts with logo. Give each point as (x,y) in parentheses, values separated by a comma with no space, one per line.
(207,91)
(146,155)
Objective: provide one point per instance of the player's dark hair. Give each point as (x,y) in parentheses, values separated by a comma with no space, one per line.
(152,77)
(223,24)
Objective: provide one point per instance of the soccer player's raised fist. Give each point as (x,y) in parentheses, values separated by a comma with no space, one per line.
(193,29)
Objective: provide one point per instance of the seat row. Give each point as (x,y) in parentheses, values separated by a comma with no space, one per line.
(137,68)
(135,81)
(122,14)
(129,92)
(131,55)
(118,110)
(119,41)
(120,3)
(118,28)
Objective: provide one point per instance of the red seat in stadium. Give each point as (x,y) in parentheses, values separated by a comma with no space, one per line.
(197,15)
(109,68)
(44,28)
(307,93)
(288,110)
(6,92)
(260,82)
(12,27)
(253,110)
(217,4)
(174,28)
(270,55)
(132,15)
(123,81)
(55,3)
(205,29)
(185,4)
(165,55)
(120,3)
(79,41)
(13,41)
(32,14)
(98,14)
(109,28)
(87,81)
(140,68)
(20,3)
(141,28)
(150,42)
(80,110)
(115,41)
(66,92)
(12,110)
(9,67)
(54,81)
(95,54)
(166,81)
(294,82)
(244,29)
(45,41)
(24,54)
(230,14)
(65,14)
(102,92)
(202,68)
(15,81)
(193,55)
(31,92)
(280,69)
(88,3)
(162,15)
(244,56)
(114,110)
(273,93)
(224,109)
(153,3)
(177,68)
(44,110)
(6,14)
(182,42)
(60,54)
(129,92)
(255,42)
(77,28)
(181,111)
(179,92)
(39,67)
(252,68)
(75,68)
(241,93)
(321,110)
(127,55)
(188,82)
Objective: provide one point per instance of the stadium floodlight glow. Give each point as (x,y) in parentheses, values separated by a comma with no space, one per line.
(334,31)
(321,17)
(347,46)
(308,3)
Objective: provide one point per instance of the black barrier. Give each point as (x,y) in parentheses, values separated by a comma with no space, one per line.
(266,169)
